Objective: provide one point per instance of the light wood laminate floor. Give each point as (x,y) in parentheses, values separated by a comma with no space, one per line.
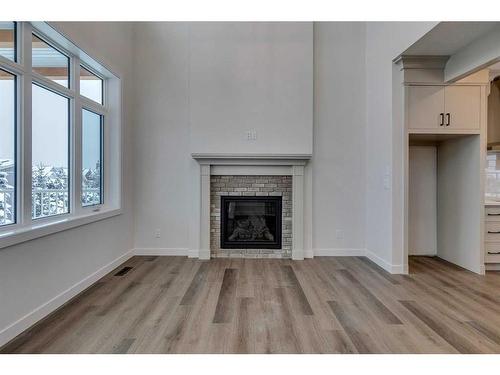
(320,305)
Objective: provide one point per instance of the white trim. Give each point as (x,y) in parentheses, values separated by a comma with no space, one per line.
(240,156)
(11,66)
(251,160)
(297,254)
(53,86)
(204,254)
(248,170)
(253,164)
(10,332)
(391,268)
(308,253)
(338,252)
(298,226)
(482,269)
(40,229)
(421,61)
(162,251)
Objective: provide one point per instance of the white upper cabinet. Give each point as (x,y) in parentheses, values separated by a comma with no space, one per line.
(425,107)
(463,107)
(444,109)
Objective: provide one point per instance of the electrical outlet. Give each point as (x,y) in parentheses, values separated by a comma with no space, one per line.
(387,178)
(157,233)
(339,233)
(387,182)
(251,135)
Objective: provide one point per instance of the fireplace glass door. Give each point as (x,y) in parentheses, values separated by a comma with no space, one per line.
(250,222)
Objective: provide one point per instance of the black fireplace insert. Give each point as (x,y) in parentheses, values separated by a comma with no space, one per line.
(250,222)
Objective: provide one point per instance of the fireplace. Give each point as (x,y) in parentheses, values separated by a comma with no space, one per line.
(245,175)
(250,222)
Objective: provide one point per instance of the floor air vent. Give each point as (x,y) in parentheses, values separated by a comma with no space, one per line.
(123,271)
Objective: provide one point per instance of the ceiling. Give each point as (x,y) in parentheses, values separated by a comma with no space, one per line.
(448,37)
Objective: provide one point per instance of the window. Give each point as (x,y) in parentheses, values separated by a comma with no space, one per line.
(8,40)
(49,62)
(91,86)
(50,153)
(91,158)
(60,135)
(7,148)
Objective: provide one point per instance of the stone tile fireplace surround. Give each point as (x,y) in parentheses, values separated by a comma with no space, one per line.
(255,186)
(251,175)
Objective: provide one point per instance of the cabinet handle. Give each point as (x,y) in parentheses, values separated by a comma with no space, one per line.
(493,214)
(490,232)
(448,119)
(442,119)
(493,253)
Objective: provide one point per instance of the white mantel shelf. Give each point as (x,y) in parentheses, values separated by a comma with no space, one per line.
(289,159)
(251,164)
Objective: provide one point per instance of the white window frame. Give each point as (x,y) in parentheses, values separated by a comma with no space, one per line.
(25,227)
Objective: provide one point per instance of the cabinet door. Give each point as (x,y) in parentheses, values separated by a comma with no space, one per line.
(425,105)
(463,104)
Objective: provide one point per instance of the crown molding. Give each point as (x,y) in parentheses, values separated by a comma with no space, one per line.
(421,61)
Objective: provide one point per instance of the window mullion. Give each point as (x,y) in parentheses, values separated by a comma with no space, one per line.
(25,138)
(51,85)
(11,66)
(77,139)
(93,106)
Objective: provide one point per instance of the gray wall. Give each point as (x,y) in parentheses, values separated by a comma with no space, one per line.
(250,75)
(167,120)
(338,165)
(384,42)
(161,136)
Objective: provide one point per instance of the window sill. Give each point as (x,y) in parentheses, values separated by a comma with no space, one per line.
(19,235)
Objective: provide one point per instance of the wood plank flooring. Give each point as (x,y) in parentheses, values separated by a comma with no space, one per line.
(320,305)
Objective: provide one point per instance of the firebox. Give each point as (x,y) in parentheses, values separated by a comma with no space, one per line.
(250,222)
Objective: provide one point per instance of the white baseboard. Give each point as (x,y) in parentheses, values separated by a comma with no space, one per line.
(204,254)
(483,268)
(339,252)
(391,268)
(11,331)
(308,253)
(297,254)
(162,251)
(198,254)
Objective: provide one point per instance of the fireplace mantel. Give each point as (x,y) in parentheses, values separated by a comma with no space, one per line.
(252,164)
(248,159)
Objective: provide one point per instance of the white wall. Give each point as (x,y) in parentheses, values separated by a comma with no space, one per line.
(167,190)
(459,202)
(338,165)
(384,41)
(353,137)
(251,76)
(422,200)
(35,272)
(161,136)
